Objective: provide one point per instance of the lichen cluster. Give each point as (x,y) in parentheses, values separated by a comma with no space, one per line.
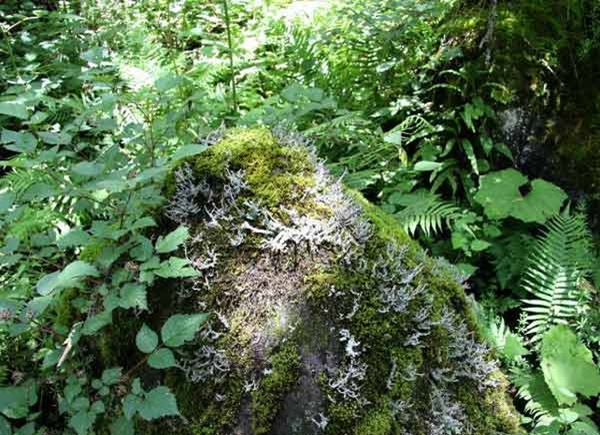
(325,317)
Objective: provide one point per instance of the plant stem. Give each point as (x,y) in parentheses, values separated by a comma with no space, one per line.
(230,46)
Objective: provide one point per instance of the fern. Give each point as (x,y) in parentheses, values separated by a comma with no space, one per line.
(19,180)
(559,262)
(532,388)
(424,211)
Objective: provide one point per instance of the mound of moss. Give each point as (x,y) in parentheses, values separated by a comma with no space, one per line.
(324,316)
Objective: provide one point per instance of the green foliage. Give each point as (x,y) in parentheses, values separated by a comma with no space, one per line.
(500,197)
(568,366)
(171,241)
(98,102)
(558,264)
(551,394)
(180,328)
(424,211)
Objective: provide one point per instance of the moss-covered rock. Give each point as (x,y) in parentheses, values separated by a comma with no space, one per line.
(325,316)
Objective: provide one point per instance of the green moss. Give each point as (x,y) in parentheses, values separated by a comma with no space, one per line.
(501,418)
(277,175)
(266,400)
(378,422)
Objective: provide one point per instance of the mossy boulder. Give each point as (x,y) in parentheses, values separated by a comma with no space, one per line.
(324,316)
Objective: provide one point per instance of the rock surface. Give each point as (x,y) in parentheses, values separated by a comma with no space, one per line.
(325,317)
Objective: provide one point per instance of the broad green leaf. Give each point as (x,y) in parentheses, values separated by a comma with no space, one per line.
(180,328)
(18,142)
(35,307)
(143,251)
(583,428)
(88,169)
(131,404)
(53,138)
(93,55)
(158,402)
(568,366)
(144,222)
(15,401)
(26,429)
(540,204)
(167,82)
(111,376)
(5,428)
(188,151)
(98,407)
(162,359)
(172,240)
(14,109)
(74,238)
(71,276)
(96,322)
(176,267)
(146,339)
(133,296)
(513,347)
(499,191)
(82,422)
(6,201)
(122,426)
(500,197)
(51,358)
(426,166)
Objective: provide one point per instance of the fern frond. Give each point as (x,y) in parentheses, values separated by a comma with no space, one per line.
(426,212)
(559,261)
(19,180)
(532,388)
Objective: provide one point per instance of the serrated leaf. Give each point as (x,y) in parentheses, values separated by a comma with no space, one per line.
(172,240)
(180,328)
(133,296)
(176,267)
(162,359)
(146,339)
(158,402)
(122,426)
(96,322)
(131,404)
(71,276)
(111,376)
(74,238)
(82,422)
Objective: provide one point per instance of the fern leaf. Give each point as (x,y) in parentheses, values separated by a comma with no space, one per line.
(557,265)
(532,388)
(425,212)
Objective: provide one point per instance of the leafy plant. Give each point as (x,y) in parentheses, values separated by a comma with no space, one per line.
(559,262)
(553,394)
